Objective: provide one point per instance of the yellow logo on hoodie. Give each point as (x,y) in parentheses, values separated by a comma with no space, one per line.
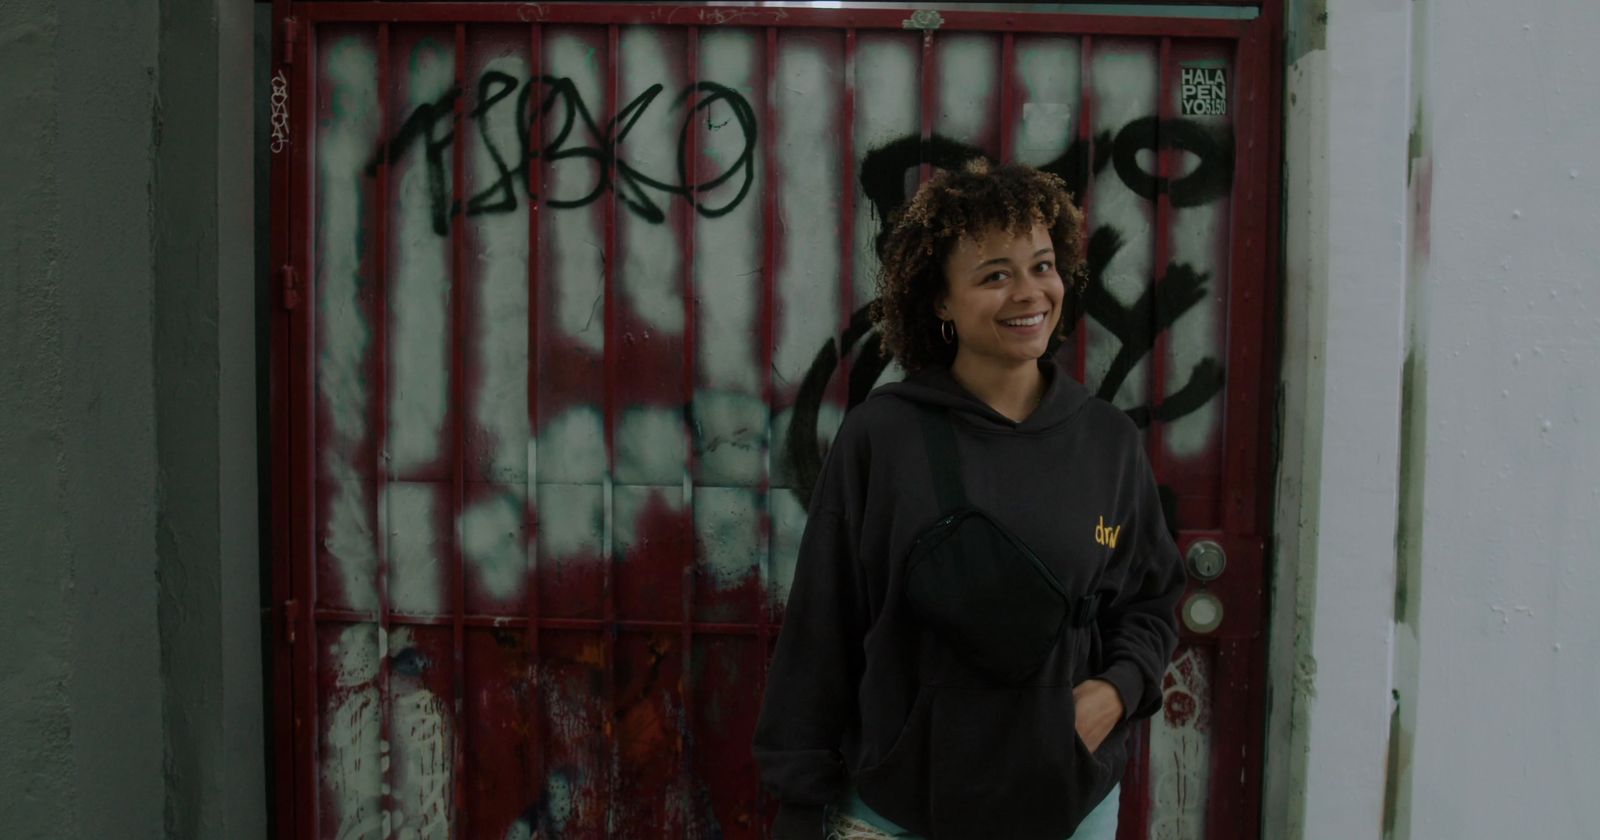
(1106,536)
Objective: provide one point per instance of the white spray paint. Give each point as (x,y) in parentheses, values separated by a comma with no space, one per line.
(423,748)
(417,552)
(419,291)
(350,540)
(575,256)
(887,66)
(1124,79)
(343,147)
(572,447)
(726,523)
(732,435)
(807,100)
(650,446)
(500,283)
(728,282)
(968,65)
(492,543)
(570,521)
(1048,76)
(651,259)
(352,768)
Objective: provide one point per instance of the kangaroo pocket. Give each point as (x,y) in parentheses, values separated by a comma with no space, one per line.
(988,762)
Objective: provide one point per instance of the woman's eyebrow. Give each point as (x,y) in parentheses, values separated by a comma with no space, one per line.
(1036,254)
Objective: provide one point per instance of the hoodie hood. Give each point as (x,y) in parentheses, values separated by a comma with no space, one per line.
(935,385)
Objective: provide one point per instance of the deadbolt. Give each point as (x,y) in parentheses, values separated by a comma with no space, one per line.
(1207,560)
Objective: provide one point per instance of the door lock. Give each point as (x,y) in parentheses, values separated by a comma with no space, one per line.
(1207,560)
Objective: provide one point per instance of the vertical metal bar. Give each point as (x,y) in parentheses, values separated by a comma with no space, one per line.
(1251,288)
(381,466)
(847,209)
(609,208)
(687,231)
(1008,95)
(1086,137)
(928,75)
(286,740)
(458,402)
(1163,253)
(769,233)
(533,704)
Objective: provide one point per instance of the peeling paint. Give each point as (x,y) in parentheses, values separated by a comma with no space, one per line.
(1180,746)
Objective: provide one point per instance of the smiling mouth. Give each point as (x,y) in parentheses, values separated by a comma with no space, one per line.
(1025,321)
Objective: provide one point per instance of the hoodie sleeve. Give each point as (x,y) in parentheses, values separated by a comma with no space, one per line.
(1139,625)
(813,678)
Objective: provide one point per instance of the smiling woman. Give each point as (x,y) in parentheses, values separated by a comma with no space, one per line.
(991,230)
(968,637)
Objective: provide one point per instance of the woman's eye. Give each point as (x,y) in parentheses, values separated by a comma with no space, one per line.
(1044,266)
(996,276)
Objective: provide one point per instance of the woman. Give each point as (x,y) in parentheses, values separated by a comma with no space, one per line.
(872,726)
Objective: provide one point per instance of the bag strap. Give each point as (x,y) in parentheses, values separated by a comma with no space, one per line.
(939,437)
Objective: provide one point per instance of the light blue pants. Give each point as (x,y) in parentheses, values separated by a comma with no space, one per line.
(1099,824)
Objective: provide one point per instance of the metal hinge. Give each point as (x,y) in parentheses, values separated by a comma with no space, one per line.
(291,620)
(291,38)
(291,290)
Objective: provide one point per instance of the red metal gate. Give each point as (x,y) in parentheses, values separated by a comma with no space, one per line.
(547,402)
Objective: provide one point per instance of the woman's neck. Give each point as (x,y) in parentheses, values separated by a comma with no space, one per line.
(1014,390)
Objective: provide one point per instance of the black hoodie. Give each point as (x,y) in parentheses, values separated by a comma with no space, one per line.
(857,691)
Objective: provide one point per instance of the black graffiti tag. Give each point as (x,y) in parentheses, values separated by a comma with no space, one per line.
(574,135)
(884,169)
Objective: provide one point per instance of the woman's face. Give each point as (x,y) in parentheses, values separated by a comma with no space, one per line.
(1004,295)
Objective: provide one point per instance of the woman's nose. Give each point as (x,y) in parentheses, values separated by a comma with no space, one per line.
(1029,289)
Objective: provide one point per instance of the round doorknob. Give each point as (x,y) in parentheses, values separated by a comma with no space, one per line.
(1207,560)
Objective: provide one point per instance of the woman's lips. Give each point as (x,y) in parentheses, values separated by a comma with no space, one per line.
(1026,329)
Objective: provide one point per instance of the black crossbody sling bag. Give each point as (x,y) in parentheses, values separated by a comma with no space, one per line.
(978,586)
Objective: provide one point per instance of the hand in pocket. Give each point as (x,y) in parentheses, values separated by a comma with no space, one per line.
(1099,708)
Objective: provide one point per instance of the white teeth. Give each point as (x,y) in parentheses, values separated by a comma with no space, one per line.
(1024,322)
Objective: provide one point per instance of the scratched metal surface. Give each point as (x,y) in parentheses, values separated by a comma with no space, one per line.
(585,309)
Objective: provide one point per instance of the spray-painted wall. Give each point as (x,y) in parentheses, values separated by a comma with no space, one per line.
(574,311)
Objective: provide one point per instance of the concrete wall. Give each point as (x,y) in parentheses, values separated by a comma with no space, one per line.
(1436,527)
(205,386)
(79,670)
(130,677)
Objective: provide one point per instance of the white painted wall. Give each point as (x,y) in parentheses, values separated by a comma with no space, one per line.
(1507,672)
(1433,668)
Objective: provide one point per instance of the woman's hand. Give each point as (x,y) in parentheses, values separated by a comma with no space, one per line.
(1099,709)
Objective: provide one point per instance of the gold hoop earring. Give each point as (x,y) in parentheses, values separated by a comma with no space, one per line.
(947,331)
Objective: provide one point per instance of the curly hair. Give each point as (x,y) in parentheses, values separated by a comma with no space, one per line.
(967,203)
